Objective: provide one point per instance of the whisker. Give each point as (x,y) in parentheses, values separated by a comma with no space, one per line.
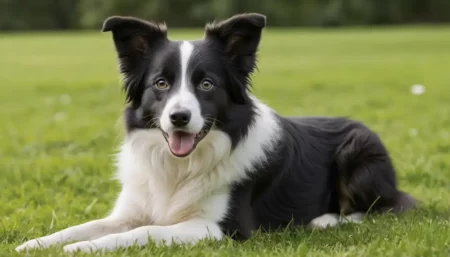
(154,121)
(212,120)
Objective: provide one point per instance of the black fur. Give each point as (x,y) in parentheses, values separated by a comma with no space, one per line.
(321,165)
(136,42)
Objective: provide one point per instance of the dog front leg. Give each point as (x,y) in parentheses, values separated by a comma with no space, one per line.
(86,231)
(190,231)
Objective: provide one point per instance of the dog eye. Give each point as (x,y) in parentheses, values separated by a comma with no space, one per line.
(206,85)
(161,84)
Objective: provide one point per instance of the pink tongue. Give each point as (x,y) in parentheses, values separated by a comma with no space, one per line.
(181,143)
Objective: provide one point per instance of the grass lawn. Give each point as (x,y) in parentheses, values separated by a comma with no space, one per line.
(60,125)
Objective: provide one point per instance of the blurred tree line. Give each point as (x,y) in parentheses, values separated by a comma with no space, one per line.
(89,14)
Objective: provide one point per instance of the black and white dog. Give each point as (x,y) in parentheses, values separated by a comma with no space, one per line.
(203,158)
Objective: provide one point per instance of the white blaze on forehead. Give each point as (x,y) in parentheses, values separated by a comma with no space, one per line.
(186,49)
(183,98)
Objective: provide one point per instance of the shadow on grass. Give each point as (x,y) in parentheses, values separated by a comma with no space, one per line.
(389,227)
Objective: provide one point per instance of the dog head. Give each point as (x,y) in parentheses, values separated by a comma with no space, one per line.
(185,88)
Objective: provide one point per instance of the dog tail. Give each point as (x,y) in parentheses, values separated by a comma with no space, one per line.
(367,179)
(403,202)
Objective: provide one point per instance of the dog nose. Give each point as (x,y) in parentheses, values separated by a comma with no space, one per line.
(180,118)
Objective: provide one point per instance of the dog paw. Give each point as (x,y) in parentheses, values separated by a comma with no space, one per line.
(325,221)
(356,217)
(85,246)
(31,244)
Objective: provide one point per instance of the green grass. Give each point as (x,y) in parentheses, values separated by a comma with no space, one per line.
(60,125)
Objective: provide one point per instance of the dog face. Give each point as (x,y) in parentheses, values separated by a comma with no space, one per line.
(186,88)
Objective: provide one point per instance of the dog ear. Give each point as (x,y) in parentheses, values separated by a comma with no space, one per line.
(134,37)
(134,40)
(239,38)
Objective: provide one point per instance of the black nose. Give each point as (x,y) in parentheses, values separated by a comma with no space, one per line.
(180,118)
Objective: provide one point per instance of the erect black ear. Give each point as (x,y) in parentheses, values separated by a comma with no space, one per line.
(239,38)
(134,40)
(133,36)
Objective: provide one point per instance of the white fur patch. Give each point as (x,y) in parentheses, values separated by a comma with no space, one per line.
(332,219)
(326,220)
(167,190)
(356,217)
(184,98)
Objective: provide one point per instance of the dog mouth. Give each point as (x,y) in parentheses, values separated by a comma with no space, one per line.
(182,143)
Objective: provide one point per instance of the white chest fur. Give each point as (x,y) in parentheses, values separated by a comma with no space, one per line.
(159,189)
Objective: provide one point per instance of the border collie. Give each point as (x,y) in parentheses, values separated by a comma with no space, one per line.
(204,158)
